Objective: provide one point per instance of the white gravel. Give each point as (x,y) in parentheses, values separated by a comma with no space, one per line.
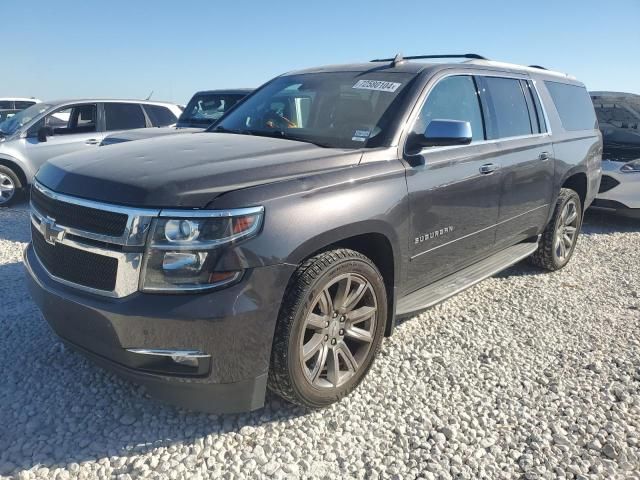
(527,375)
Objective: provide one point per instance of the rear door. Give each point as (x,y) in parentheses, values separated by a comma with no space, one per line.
(454,194)
(72,128)
(525,155)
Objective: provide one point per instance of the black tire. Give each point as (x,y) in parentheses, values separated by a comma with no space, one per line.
(9,178)
(289,374)
(548,255)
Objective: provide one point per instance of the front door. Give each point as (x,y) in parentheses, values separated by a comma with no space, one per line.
(454,196)
(71,129)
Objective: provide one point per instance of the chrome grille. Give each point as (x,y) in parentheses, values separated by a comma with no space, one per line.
(91,255)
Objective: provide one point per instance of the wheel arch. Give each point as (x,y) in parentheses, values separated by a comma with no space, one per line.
(375,240)
(578,182)
(16,167)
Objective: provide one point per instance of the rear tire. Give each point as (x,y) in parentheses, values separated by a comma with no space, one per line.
(558,241)
(329,330)
(10,186)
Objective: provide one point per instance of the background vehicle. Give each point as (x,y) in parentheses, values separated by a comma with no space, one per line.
(619,119)
(45,130)
(17,103)
(279,246)
(9,106)
(203,109)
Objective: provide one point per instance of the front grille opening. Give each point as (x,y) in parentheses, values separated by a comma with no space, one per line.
(83,218)
(75,266)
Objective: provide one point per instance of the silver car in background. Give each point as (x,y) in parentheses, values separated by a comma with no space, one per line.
(619,120)
(45,130)
(204,108)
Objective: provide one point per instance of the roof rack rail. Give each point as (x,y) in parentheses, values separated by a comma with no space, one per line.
(395,60)
(538,66)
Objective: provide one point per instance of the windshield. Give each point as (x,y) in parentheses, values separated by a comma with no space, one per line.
(204,109)
(12,124)
(337,109)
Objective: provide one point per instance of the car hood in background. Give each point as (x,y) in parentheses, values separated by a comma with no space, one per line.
(186,171)
(142,133)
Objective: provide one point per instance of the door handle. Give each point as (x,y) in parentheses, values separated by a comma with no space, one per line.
(544,156)
(488,168)
(92,141)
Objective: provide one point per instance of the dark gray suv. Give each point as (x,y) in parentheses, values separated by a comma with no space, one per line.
(278,248)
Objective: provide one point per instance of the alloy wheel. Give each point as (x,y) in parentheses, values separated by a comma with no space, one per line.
(567,231)
(338,331)
(7,188)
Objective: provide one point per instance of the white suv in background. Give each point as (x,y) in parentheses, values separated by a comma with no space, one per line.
(619,120)
(9,106)
(45,130)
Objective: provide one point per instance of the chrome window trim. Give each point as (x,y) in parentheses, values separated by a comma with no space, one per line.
(127,274)
(438,78)
(137,226)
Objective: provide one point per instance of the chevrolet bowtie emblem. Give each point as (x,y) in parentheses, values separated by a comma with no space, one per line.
(51,232)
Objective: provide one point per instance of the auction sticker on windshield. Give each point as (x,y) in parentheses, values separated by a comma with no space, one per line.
(378,85)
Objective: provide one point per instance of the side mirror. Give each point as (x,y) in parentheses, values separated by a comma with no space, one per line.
(443,133)
(43,133)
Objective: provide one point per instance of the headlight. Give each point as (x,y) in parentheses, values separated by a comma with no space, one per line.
(633,166)
(184,248)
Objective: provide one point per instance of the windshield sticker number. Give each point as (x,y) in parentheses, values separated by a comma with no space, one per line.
(360,135)
(378,85)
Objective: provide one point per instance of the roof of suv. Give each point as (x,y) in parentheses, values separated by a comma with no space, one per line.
(407,65)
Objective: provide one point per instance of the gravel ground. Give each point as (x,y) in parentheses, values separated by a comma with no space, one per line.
(527,375)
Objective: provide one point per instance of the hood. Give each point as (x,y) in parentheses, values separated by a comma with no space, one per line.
(142,133)
(186,171)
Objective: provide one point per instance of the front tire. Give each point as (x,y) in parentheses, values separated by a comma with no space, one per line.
(329,330)
(10,186)
(558,241)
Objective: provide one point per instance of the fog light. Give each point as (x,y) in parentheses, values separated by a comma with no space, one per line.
(185,360)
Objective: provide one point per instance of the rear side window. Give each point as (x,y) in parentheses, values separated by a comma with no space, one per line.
(6,105)
(574,106)
(506,110)
(123,116)
(160,116)
(454,98)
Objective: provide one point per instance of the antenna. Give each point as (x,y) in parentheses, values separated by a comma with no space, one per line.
(149,97)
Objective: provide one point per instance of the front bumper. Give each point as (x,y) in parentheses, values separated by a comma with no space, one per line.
(234,326)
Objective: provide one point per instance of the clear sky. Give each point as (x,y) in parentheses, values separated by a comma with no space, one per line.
(116,48)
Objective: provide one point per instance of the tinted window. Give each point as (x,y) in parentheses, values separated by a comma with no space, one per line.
(540,113)
(23,105)
(160,116)
(574,106)
(332,109)
(506,108)
(204,109)
(123,116)
(6,105)
(454,98)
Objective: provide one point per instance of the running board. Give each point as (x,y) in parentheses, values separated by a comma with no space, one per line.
(447,287)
